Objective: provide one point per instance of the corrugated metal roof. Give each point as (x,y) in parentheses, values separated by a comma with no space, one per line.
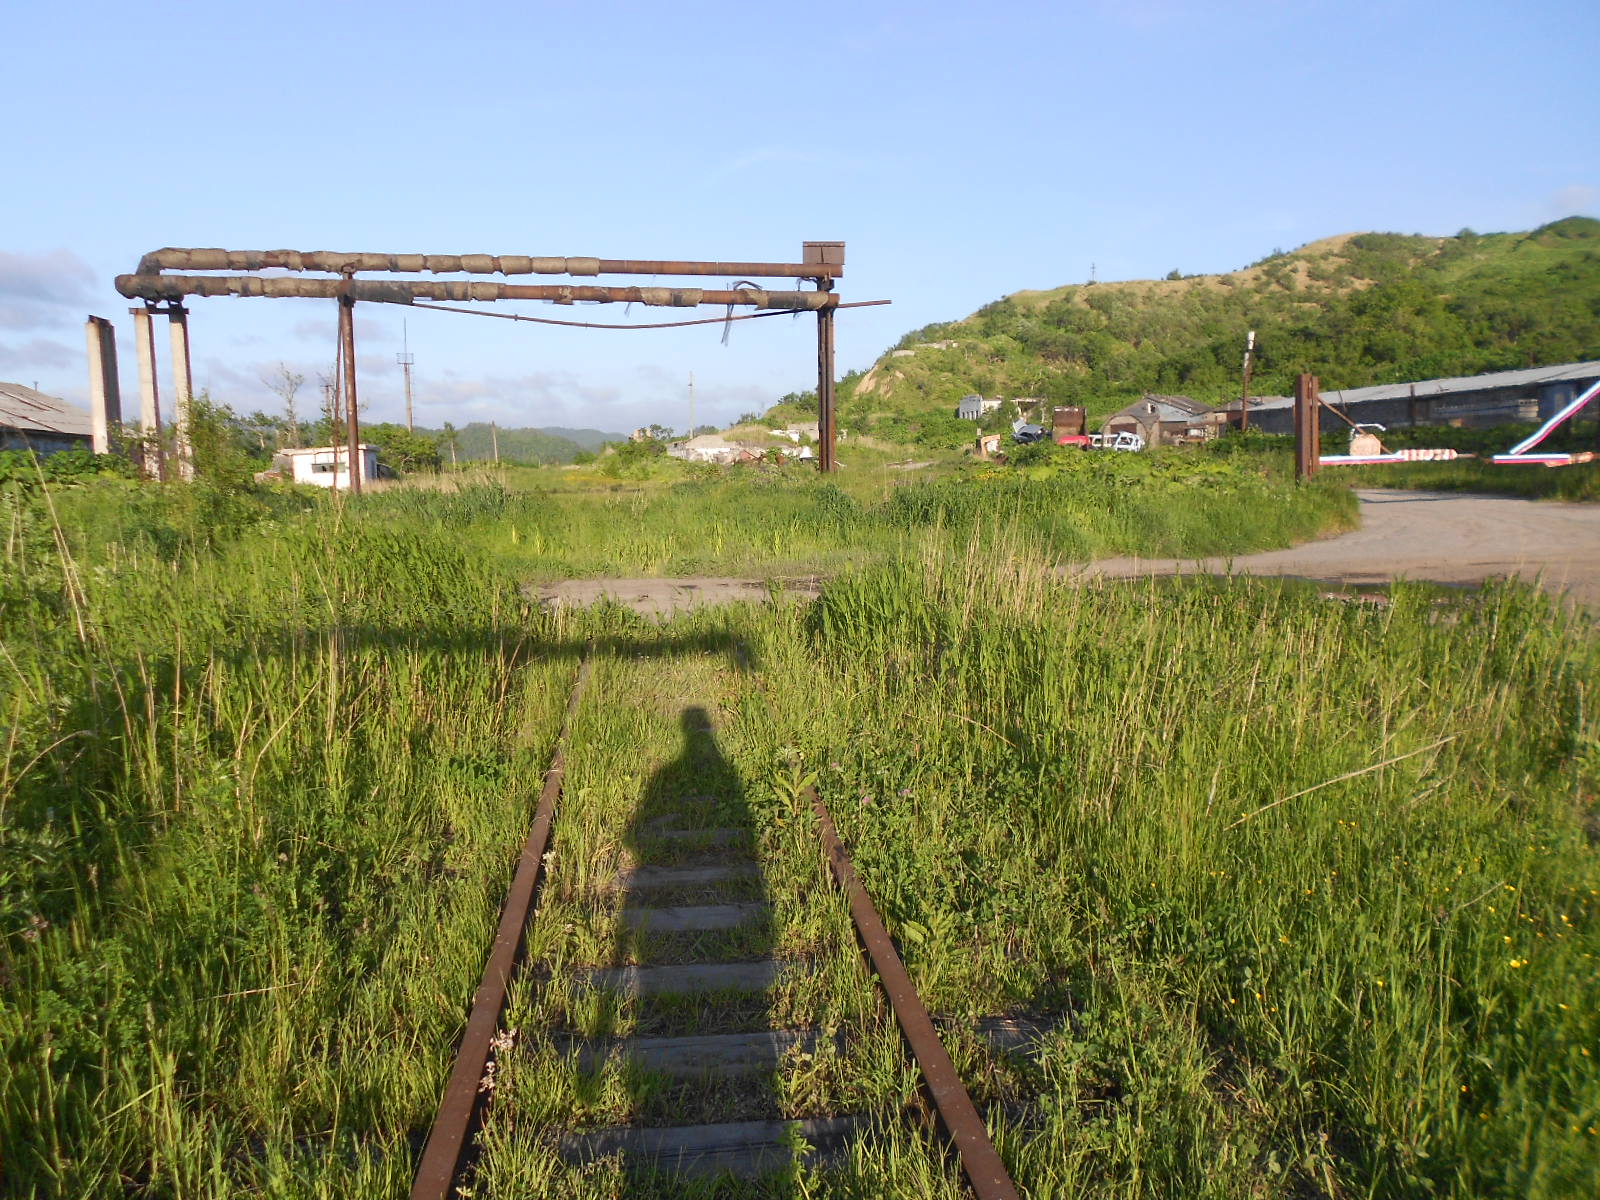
(25,409)
(1164,408)
(1530,377)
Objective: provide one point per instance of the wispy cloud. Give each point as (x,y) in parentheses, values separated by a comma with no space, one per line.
(1575,198)
(328,331)
(40,290)
(38,353)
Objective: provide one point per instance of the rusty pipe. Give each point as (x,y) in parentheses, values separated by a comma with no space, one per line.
(175,258)
(173,287)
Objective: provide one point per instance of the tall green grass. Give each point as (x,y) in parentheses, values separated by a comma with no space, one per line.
(257,807)
(1311,885)
(786,523)
(265,762)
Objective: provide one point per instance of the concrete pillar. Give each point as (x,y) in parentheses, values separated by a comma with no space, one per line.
(105,389)
(182,387)
(144,343)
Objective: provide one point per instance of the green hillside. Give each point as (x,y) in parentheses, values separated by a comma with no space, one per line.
(475,442)
(1356,309)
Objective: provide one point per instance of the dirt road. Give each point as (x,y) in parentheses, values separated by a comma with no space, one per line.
(1434,536)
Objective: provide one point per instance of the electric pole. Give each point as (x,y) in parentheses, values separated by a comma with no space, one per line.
(1244,395)
(691,403)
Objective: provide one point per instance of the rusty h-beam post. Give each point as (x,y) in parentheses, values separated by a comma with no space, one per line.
(826,418)
(105,388)
(182,387)
(1307,426)
(347,342)
(153,459)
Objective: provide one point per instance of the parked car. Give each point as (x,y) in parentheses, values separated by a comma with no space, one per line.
(1116,441)
(1023,434)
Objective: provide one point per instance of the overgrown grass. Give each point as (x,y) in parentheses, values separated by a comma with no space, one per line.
(790,523)
(1575,483)
(255,812)
(1313,884)
(264,774)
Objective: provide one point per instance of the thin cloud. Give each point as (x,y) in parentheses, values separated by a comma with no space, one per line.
(1573,199)
(328,331)
(38,353)
(38,290)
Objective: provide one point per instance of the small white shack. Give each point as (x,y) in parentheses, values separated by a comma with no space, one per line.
(327,466)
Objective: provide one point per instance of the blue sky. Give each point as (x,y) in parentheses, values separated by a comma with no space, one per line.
(962,152)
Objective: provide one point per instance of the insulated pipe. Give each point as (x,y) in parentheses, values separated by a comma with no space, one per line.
(335,262)
(174,287)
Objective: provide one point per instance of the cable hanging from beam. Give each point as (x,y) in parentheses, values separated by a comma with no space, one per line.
(474,312)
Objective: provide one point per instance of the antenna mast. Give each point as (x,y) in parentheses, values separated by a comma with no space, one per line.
(405,358)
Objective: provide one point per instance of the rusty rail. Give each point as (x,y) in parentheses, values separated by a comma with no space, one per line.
(451,1137)
(173,258)
(979,1159)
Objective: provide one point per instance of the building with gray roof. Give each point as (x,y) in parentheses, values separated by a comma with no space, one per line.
(1494,398)
(31,420)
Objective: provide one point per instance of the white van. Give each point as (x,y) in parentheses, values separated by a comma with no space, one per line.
(1116,441)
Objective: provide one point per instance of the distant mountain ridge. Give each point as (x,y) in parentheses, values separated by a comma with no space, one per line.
(1356,309)
(549,445)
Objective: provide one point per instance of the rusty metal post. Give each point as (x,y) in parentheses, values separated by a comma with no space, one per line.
(1307,426)
(105,388)
(347,340)
(1411,407)
(182,388)
(825,415)
(144,342)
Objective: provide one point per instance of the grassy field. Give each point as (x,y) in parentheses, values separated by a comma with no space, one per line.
(1574,483)
(1306,888)
(553,523)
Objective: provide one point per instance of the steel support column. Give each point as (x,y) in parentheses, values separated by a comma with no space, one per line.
(105,388)
(1307,426)
(826,417)
(347,340)
(144,342)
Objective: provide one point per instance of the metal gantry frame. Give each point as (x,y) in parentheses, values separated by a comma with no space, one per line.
(822,263)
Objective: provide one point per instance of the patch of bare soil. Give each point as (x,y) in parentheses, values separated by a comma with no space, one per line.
(1434,537)
(667,597)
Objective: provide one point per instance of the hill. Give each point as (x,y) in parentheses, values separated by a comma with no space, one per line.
(552,445)
(1356,309)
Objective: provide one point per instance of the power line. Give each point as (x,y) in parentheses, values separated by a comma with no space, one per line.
(474,312)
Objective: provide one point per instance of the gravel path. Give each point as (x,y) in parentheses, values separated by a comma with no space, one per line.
(1438,537)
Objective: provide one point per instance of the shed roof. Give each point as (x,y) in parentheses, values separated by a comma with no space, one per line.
(1530,377)
(1168,408)
(30,411)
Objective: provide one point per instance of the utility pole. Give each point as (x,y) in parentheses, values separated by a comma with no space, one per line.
(405,358)
(691,403)
(494,438)
(1244,395)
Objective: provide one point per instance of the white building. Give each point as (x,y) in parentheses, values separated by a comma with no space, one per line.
(326,466)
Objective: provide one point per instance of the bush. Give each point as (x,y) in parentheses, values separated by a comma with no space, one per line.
(65,466)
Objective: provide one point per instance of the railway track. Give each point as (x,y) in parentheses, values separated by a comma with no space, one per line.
(695,940)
